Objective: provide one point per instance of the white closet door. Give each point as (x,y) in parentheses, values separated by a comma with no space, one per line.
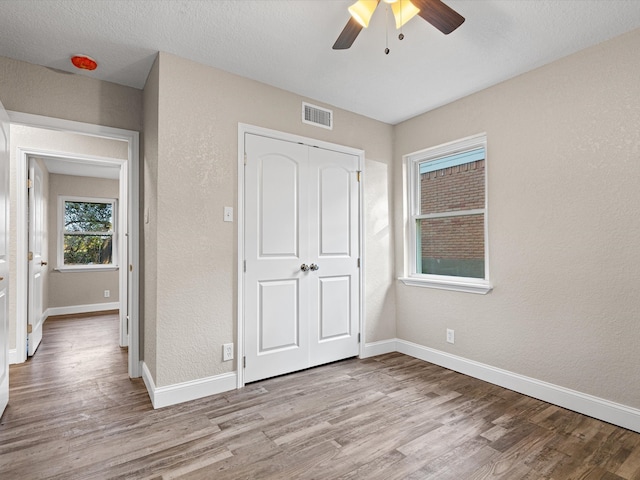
(301,246)
(276,299)
(334,248)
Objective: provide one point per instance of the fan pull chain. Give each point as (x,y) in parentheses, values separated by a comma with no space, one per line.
(386,30)
(401,36)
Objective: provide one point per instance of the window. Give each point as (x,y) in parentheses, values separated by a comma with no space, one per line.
(87,233)
(447,233)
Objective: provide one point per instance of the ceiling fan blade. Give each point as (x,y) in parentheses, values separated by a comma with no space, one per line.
(348,35)
(439,15)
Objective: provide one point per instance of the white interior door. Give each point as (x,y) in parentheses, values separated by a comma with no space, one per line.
(334,253)
(36,262)
(4,259)
(276,330)
(301,246)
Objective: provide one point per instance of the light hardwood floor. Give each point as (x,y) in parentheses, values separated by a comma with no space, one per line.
(74,414)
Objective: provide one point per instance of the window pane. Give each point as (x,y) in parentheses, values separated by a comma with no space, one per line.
(87,249)
(453,188)
(451,246)
(88,217)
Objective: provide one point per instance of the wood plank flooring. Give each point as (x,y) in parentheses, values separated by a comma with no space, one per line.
(74,414)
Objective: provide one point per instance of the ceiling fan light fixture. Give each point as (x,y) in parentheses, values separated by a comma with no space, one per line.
(403,11)
(362,10)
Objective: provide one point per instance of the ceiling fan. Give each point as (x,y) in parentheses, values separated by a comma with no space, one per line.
(435,12)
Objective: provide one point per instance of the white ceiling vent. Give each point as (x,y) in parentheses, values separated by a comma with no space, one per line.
(318,116)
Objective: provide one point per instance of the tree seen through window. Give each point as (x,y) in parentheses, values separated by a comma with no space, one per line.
(88,233)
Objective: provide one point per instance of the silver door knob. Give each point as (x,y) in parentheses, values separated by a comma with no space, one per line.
(304,267)
(314,267)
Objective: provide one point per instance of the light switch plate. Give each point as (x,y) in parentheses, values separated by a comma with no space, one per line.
(228,214)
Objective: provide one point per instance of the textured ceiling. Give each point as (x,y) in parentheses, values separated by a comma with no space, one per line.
(79,168)
(287,43)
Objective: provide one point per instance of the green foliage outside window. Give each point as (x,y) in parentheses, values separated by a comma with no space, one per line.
(88,233)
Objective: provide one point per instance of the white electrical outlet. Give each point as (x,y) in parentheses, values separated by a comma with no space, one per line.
(227,352)
(450,336)
(107,293)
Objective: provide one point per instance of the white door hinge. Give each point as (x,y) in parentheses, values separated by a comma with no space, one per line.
(244,362)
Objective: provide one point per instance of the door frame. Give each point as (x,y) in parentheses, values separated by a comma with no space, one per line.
(129,233)
(243,129)
(23,156)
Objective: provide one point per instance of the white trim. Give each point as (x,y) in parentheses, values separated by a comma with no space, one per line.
(449,148)
(252,129)
(615,413)
(61,125)
(22,247)
(147,378)
(129,203)
(361,245)
(410,176)
(116,236)
(457,213)
(87,268)
(13,357)
(242,129)
(481,288)
(379,348)
(186,391)
(73,309)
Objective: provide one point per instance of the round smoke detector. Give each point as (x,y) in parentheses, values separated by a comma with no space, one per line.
(84,62)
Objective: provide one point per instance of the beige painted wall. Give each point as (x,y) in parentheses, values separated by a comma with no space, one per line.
(563,170)
(39,90)
(194,254)
(77,288)
(51,141)
(149,206)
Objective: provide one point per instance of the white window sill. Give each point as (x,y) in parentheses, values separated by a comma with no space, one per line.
(86,268)
(455,285)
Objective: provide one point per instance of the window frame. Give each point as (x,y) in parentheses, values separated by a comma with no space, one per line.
(412,163)
(61,266)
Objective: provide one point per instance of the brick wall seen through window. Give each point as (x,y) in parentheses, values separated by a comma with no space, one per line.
(452,245)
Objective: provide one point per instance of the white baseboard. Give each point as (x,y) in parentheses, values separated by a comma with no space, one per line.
(13,356)
(186,391)
(615,413)
(379,348)
(611,412)
(73,309)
